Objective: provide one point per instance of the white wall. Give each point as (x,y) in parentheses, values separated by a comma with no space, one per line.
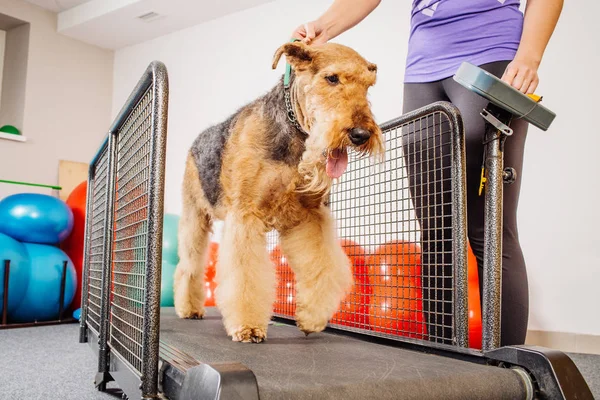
(68,95)
(2,45)
(218,66)
(558,211)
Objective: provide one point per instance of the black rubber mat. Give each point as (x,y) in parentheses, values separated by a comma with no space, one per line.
(329,366)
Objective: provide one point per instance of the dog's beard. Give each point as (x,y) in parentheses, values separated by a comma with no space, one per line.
(326,156)
(332,147)
(312,166)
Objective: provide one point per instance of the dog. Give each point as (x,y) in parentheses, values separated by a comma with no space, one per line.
(270,166)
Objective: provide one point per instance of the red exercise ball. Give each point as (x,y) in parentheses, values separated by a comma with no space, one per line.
(209,274)
(395,258)
(210,294)
(396,305)
(285,301)
(397,308)
(474,303)
(354,309)
(73,244)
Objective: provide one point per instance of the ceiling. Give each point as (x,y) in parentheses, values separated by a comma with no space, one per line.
(57,5)
(114,24)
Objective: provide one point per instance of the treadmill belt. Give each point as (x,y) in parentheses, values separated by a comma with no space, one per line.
(330,366)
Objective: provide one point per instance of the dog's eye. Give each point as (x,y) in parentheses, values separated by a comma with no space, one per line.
(332,79)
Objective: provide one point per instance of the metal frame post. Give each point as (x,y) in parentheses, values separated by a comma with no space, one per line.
(103,356)
(5,293)
(150,345)
(459,229)
(86,264)
(493,227)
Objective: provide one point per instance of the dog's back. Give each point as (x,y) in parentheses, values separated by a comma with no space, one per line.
(207,152)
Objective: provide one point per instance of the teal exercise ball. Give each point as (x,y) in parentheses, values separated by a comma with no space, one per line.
(42,297)
(19,271)
(169,244)
(166,285)
(35,218)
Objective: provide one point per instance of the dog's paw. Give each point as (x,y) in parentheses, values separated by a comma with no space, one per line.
(308,323)
(310,328)
(189,313)
(246,334)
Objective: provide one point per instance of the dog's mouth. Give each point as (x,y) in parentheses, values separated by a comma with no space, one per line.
(337,162)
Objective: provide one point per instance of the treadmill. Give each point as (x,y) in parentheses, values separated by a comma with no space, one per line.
(406,332)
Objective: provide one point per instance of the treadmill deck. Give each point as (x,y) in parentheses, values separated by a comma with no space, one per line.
(325,365)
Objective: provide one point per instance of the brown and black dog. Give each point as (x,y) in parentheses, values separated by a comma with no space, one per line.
(270,166)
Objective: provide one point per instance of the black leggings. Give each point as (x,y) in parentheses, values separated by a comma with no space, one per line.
(515,297)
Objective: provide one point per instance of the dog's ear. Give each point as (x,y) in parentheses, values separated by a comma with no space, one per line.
(296,53)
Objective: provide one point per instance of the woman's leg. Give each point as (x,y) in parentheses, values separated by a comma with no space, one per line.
(426,148)
(515,297)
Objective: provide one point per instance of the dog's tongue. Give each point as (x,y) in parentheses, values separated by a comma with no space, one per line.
(337,161)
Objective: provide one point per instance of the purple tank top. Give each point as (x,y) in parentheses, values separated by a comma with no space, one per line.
(444,33)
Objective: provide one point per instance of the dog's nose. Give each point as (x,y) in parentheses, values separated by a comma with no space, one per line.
(359,136)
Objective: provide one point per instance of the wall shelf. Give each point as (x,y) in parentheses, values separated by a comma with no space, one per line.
(15,138)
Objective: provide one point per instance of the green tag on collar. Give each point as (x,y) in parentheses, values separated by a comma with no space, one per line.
(288,69)
(287,76)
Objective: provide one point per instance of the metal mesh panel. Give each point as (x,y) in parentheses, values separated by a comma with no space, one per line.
(128,289)
(395,223)
(96,243)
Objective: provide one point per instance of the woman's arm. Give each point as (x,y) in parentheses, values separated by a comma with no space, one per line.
(341,16)
(541,17)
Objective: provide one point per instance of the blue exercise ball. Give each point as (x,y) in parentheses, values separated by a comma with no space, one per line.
(35,218)
(77,314)
(166,286)
(41,300)
(169,244)
(19,271)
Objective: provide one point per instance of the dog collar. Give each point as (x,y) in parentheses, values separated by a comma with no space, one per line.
(290,110)
(287,77)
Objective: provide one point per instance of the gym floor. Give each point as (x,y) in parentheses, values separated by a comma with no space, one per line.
(49,362)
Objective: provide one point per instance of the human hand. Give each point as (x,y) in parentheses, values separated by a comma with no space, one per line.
(311,33)
(522,74)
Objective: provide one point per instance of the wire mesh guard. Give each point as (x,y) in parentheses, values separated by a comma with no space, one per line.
(96,251)
(130,239)
(394,222)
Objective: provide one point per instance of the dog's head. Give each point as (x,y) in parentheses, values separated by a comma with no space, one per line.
(331,83)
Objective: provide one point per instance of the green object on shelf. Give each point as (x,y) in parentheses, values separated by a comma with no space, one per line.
(31,184)
(10,129)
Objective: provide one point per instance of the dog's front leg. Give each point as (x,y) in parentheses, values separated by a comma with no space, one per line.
(245,279)
(322,269)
